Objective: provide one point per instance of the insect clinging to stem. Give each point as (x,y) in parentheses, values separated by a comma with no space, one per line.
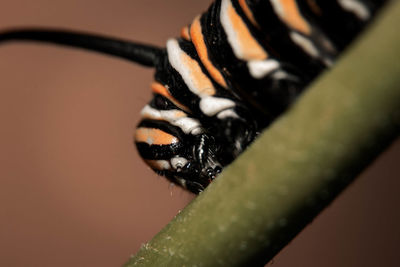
(234,69)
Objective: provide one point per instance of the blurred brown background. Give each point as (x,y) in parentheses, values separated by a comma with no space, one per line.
(73,191)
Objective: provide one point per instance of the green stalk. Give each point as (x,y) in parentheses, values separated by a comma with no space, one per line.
(297,167)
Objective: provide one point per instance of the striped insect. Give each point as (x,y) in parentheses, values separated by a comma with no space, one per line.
(232,71)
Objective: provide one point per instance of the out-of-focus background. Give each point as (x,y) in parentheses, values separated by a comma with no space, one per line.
(73,190)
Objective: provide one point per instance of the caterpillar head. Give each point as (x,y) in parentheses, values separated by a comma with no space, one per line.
(187,160)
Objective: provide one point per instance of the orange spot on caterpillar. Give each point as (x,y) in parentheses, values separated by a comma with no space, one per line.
(247,11)
(198,41)
(153,136)
(185,33)
(250,48)
(292,16)
(160,89)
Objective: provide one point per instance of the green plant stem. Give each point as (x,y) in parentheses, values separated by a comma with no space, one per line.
(297,167)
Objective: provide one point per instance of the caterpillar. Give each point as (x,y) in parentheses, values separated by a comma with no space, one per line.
(234,69)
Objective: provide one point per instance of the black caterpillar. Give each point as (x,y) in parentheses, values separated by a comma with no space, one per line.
(234,69)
